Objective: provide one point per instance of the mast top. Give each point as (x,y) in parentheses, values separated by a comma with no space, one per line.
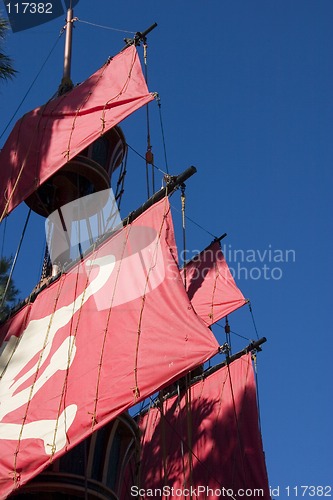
(139,37)
(66,82)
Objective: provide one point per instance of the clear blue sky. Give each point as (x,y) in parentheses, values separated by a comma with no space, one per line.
(246,92)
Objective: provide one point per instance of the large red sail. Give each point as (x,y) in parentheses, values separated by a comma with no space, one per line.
(115,329)
(210,285)
(206,441)
(44,139)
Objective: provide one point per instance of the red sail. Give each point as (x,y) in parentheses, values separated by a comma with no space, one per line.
(104,336)
(210,286)
(207,439)
(44,139)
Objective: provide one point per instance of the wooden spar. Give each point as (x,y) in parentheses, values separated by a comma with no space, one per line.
(172,184)
(221,237)
(139,37)
(253,347)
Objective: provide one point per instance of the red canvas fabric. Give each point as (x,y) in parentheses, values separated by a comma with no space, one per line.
(207,438)
(104,336)
(210,286)
(44,139)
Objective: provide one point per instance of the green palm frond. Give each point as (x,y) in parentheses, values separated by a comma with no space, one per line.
(6,68)
(11,297)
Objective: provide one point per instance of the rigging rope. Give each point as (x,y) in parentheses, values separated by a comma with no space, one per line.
(227,334)
(154,257)
(16,473)
(15,259)
(105,27)
(144,158)
(121,180)
(9,198)
(195,223)
(32,84)
(217,275)
(234,333)
(73,335)
(67,152)
(147,180)
(173,206)
(188,400)
(241,336)
(183,201)
(3,237)
(136,390)
(149,154)
(254,359)
(183,442)
(241,447)
(94,415)
(158,99)
(254,323)
(163,440)
(187,376)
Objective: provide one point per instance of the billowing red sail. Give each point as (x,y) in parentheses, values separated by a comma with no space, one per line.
(44,139)
(207,439)
(210,286)
(104,336)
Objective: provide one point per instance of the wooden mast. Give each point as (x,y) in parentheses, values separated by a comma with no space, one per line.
(66,82)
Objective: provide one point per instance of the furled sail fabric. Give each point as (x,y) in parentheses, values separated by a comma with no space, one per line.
(44,139)
(207,438)
(102,337)
(210,286)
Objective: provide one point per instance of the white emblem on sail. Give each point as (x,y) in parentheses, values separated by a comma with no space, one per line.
(22,359)
(31,344)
